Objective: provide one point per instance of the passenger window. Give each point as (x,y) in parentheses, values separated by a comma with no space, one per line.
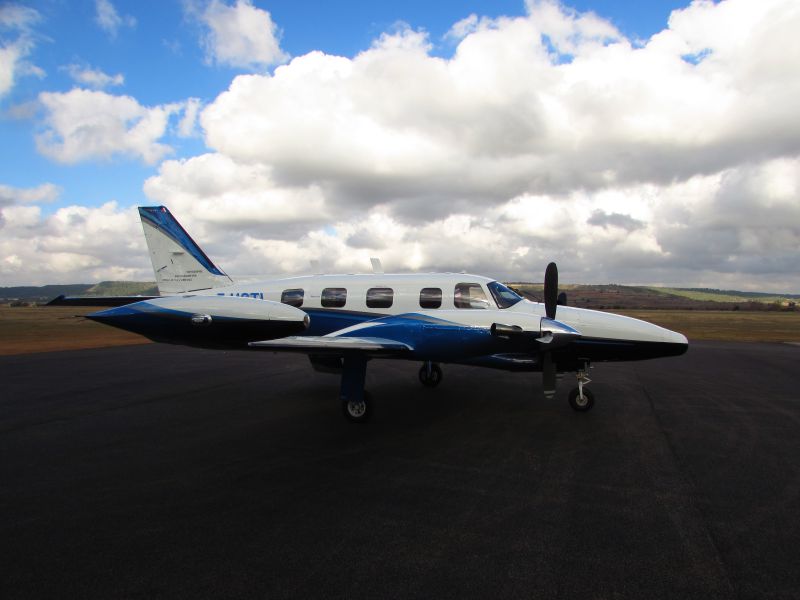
(380,297)
(334,297)
(292,297)
(430,298)
(470,295)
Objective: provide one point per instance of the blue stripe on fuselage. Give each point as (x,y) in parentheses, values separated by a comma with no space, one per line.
(325,321)
(430,337)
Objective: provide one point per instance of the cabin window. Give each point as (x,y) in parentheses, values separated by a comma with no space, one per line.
(470,295)
(334,297)
(380,297)
(430,298)
(292,297)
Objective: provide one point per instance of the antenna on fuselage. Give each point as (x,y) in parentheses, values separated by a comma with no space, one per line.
(377,267)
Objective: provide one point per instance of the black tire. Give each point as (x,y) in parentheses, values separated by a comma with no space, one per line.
(435,376)
(583,405)
(358,412)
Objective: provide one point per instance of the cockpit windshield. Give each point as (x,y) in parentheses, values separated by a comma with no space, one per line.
(503,295)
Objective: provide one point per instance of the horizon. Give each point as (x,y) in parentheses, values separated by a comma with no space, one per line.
(505,281)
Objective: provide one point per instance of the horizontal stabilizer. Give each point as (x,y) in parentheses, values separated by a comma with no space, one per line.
(63,300)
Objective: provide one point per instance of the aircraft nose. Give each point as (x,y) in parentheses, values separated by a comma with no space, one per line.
(676,342)
(673,337)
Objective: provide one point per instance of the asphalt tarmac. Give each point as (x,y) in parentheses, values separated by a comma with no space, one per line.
(165,472)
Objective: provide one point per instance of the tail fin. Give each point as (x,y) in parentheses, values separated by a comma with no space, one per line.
(178,262)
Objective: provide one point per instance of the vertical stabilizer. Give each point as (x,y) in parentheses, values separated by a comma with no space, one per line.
(179,264)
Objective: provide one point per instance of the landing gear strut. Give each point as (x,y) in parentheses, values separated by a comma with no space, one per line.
(355,401)
(430,374)
(581,398)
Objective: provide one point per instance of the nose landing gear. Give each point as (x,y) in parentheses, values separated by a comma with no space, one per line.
(580,398)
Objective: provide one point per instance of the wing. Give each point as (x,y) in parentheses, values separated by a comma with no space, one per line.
(372,346)
(379,337)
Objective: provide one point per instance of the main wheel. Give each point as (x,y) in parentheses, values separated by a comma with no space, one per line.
(357,411)
(581,404)
(433,378)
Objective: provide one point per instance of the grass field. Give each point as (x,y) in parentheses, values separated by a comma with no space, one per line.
(723,295)
(732,326)
(43,329)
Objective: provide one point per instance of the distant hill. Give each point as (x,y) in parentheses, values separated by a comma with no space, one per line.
(104,288)
(29,292)
(613,297)
(728,295)
(124,288)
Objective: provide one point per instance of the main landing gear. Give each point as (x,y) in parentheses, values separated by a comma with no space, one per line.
(581,398)
(357,411)
(355,401)
(430,374)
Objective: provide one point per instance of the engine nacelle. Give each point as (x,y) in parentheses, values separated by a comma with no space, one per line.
(206,321)
(508,332)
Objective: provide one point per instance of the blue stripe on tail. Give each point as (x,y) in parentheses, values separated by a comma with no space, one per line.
(160,218)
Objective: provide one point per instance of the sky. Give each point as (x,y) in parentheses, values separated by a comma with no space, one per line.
(631,142)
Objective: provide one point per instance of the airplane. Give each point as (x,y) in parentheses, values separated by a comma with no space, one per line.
(343,321)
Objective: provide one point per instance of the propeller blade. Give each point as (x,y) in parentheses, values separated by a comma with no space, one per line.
(548,376)
(551,290)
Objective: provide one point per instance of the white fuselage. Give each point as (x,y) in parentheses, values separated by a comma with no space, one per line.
(479,309)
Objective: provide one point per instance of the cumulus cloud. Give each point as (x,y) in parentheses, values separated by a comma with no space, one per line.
(93,78)
(240,35)
(188,124)
(73,244)
(553,119)
(46,192)
(603,219)
(84,124)
(109,20)
(509,114)
(16,43)
(549,136)
(710,226)
(216,193)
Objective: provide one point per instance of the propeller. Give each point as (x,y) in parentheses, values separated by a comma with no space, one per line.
(551,290)
(550,304)
(551,335)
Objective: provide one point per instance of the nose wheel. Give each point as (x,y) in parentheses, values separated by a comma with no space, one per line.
(430,374)
(581,399)
(581,403)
